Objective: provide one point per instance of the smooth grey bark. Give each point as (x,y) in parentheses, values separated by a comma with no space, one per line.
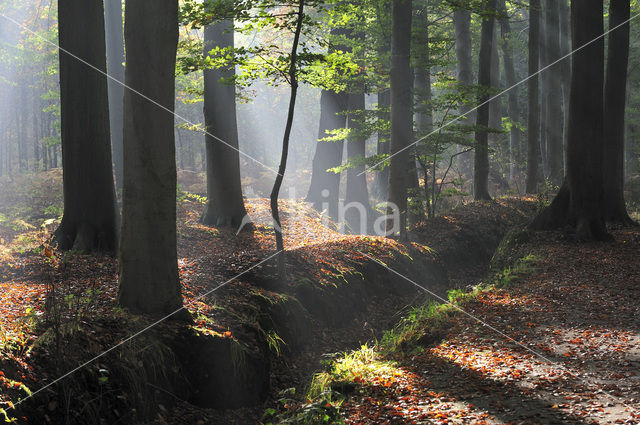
(515,134)
(554,116)
(114,38)
(401,117)
(356,190)
(495,106)
(614,113)
(544,92)
(630,159)
(565,69)
(359,217)
(579,202)
(381,177)
(533,117)
(225,205)
(481,157)
(496,140)
(423,112)
(90,220)
(149,281)
(324,190)
(462,26)
(37,127)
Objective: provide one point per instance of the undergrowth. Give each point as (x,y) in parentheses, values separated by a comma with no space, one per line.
(425,324)
(321,410)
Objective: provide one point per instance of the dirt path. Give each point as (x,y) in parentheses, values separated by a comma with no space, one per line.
(564,348)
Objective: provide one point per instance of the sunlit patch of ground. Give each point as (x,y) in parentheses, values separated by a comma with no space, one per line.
(562,346)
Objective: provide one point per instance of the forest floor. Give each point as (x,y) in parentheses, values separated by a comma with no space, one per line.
(557,341)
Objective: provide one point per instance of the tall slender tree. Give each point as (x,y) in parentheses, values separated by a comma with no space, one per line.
(462,26)
(293,81)
(401,118)
(324,190)
(225,205)
(115,66)
(89,222)
(553,121)
(149,281)
(533,126)
(358,219)
(510,77)
(481,158)
(495,106)
(614,112)
(544,93)
(356,189)
(381,178)
(565,69)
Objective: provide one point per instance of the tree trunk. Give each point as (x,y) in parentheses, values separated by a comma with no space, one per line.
(565,70)
(630,159)
(495,106)
(533,119)
(381,178)
(423,112)
(324,191)
(149,281)
(554,117)
(37,130)
(275,193)
(23,160)
(401,118)
(544,94)
(357,208)
(115,67)
(90,220)
(511,79)
(481,158)
(225,206)
(462,22)
(580,200)
(614,113)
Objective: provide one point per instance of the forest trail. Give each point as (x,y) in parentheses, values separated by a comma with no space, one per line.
(573,357)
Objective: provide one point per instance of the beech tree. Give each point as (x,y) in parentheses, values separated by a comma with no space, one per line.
(462,26)
(614,112)
(579,202)
(148,261)
(115,67)
(381,178)
(533,126)
(481,157)
(511,80)
(357,192)
(225,205)
(553,120)
(324,189)
(401,117)
(565,69)
(90,220)
(356,189)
